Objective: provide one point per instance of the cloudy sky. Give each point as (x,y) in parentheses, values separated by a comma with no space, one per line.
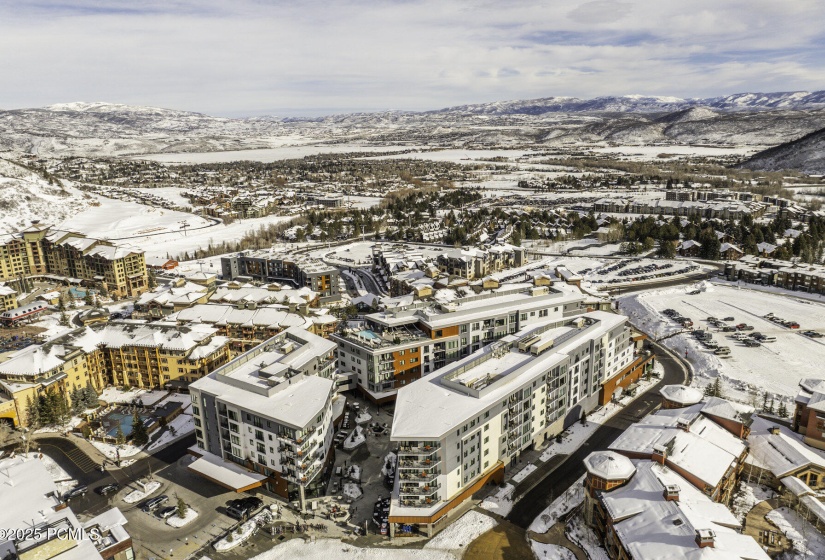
(310,57)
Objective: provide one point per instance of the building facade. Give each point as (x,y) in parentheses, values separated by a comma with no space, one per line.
(142,355)
(463,425)
(274,265)
(269,412)
(39,250)
(397,346)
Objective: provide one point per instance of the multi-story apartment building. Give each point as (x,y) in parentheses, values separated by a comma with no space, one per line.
(272,265)
(463,425)
(265,418)
(38,524)
(397,346)
(137,355)
(41,250)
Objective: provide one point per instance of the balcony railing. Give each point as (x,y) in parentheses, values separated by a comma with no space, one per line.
(419,463)
(426,490)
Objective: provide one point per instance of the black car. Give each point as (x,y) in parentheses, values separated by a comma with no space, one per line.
(167,512)
(239,511)
(107,488)
(252,502)
(75,492)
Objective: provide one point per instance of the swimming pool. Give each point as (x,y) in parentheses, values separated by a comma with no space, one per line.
(368,335)
(112,420)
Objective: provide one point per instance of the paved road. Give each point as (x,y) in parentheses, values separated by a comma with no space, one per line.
(551,479)
(87,472)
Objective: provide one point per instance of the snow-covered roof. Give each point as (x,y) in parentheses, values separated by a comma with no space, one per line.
(782,453)
(609,465)
(696,444)
(681,394)
(28,498)
(651,527)
(224,472)
(796,486)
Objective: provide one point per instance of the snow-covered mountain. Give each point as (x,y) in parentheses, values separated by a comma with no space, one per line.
(101,129)
(797,100)
(806,154)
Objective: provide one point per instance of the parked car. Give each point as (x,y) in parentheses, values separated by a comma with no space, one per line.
(154,503)
(722,350)
(75,492)
(752,343)
(240,511)
(813,334)
(729,329)
(728,319)
(167,512)
(793,325)
(107,488)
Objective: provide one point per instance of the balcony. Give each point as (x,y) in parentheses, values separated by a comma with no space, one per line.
(426,490)
(424,450)
(417,476)
(419,463)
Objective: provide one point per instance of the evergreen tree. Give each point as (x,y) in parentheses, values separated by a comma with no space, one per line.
(765,402)
(88,299)
(45,410)
(78,401)
(182,508)
(61,302)
(32,413)
(119,437)
(783,410)
(717,388)
(152,281)
(139,434)
(90,397)
(64,319)
(770,407)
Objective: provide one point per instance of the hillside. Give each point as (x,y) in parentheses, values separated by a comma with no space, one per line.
(26,196)
(807,154)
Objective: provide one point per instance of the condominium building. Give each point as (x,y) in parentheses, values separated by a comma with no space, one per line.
(463,425)
(38,524)
(265,418)
(399,345)
(124,354)
(272,265)
(703,442)
(643,510)
(40,249)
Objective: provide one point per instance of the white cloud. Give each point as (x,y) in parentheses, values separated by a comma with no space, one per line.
(248,56)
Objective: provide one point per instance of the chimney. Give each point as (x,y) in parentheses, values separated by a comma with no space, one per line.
(774,430)
(684,424)
(659,454)
(705,538)
(671,493)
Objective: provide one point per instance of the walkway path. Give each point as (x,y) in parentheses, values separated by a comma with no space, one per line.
(555,535)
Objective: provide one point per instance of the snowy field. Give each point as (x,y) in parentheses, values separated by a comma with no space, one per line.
(159,231)
(267,155)
(776,367)
(119,219)
(468,157)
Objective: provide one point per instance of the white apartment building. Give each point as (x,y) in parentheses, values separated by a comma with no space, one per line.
(398,346)
(265,418)
(466,423)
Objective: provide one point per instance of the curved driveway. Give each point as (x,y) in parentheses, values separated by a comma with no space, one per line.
(551,479)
